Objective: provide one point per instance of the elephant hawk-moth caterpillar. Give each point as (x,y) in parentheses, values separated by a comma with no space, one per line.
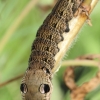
(36,83)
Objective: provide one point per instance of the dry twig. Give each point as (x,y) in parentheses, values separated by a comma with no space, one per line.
(11,80)
(78,93)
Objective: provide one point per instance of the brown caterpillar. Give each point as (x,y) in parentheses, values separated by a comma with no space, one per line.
(36,84)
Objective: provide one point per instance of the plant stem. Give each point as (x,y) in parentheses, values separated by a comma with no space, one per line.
(80,63)
(74,25)
(11,80)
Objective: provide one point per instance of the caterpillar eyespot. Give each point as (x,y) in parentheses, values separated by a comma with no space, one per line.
(37,79)
(23,88)
(44,88)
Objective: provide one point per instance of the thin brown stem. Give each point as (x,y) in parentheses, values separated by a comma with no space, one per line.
(11,80)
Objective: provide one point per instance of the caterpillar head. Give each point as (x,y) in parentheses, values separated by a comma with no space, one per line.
(36,85)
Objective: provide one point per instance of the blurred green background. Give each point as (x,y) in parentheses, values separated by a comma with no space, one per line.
(14,56)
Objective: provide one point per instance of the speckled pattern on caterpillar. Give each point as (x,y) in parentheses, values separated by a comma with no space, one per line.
(36,83)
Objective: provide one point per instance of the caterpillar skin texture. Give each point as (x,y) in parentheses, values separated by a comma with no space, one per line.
(36,83)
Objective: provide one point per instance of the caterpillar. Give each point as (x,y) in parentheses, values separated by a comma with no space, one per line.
(37,81)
